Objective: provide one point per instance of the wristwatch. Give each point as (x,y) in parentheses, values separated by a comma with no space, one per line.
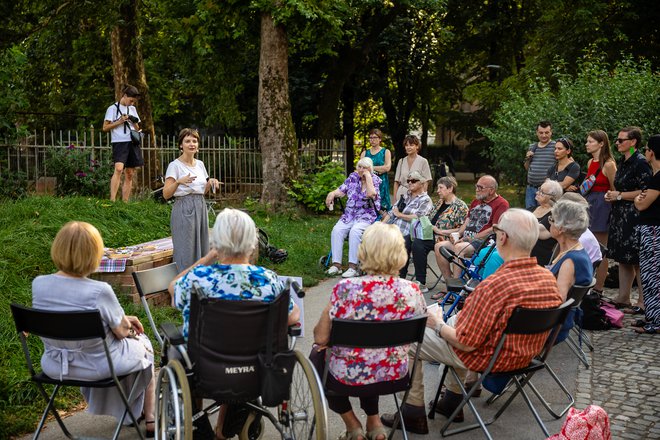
(618,198)
(438,328)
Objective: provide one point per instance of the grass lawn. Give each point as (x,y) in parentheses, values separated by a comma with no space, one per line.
(29,226)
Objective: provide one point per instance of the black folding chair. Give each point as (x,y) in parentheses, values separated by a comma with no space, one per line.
(379,334)
(69,326)
(578,293)
(525,322)
(151,281)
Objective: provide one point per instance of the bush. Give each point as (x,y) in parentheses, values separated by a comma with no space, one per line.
(599,97)
(312,189)
(13,185)
(77,173)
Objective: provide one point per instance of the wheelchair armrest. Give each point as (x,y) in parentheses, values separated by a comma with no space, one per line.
(295,330)
(172,333)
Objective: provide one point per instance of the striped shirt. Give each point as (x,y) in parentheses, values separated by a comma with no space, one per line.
(544,158)
(520,282)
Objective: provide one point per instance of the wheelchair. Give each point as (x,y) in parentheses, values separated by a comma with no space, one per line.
(459,288)
(221,362)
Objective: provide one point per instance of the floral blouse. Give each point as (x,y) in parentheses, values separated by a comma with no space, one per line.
(357,208)
(227,281)
(452,217)
(373,298)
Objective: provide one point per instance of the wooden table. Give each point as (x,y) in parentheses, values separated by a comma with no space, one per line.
(118,271)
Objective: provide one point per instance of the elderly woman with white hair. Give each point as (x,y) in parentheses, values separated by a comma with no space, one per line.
(227,273)
(362,205)
(546,196)
(571,265)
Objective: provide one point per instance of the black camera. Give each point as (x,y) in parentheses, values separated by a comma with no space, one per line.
(134,119)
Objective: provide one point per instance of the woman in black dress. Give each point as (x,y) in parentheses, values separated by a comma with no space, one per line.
(632,176)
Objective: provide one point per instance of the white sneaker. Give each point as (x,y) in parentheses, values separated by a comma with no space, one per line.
(334,270)
(423,288)
(350,273)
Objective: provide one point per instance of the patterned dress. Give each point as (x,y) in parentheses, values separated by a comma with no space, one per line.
(373,298)
(623,241)
(227,281)
(649,256)
(379,161)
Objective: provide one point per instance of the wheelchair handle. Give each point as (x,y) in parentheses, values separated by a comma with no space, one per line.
(290,284)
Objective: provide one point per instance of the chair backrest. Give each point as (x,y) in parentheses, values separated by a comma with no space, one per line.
(154,280)
(225,338)
(528,321)
(377,334)
(66,325)
(577,293)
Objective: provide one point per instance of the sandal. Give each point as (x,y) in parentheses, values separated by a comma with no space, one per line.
(639,323)
(619,305)
(375,433)
(634,310)
(149,433)
(648,329)
(438,296)
(356,434)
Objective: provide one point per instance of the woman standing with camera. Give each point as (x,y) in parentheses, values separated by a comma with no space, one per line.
(186,179)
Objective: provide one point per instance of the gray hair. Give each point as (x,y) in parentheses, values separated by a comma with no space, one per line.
(571,217)
(555,190)
(521,227)
(234,234)
(575,197)
(366,162)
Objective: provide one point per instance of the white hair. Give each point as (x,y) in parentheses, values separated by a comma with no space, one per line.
(572,217)
(521,227)
(234,234)
(366,162)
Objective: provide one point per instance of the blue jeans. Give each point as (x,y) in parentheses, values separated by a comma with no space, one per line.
(530,197)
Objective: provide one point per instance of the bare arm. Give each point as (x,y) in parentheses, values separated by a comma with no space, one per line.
(323,327)
(294,316)
(109,125)
(566,278)
(128,325)
(646,199)
(609,170)
(369,183)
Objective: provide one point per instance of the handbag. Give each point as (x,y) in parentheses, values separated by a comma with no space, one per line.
(588,183)
(136,136)
(276,369)
(421,229)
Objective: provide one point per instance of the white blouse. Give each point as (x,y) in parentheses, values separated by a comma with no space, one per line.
(177,169)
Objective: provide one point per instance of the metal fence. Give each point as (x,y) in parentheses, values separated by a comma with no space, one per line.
(235,161)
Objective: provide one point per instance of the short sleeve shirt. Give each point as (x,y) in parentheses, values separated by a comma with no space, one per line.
(483,215)
(420,205)
(651,215)
(373,298)
(177,169)
(519,282)
(358,207)
(572,170)
(402,170)
(236,282)
(121,133)
(544,158)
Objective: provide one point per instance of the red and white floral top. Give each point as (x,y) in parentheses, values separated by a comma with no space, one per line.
(373,298)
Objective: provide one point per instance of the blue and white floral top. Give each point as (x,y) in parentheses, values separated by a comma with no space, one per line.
(227,281)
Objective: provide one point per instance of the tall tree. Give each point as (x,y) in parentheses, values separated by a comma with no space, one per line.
(277,137)
(128,68)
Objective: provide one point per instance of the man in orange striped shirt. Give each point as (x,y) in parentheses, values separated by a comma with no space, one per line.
(467,341)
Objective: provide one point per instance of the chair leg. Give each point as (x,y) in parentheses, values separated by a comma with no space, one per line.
(437,394)
(438,277)
(50,407)
(575,347)
(571,400)
(530,406)
(467,400)
(399,419)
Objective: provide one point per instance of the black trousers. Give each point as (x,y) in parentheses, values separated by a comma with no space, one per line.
(420,250)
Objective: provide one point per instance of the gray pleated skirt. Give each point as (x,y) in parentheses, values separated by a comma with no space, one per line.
(190,230)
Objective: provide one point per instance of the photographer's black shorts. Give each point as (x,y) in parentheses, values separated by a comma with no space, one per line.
(127,153)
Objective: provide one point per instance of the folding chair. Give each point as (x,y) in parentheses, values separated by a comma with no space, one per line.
(525,322)
(576,294)
(379,334)
(152,281)
(69,326)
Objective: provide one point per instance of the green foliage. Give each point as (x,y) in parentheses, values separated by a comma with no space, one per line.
(78,173)
(13,98)
(599,97)
(13,185)
(311,189)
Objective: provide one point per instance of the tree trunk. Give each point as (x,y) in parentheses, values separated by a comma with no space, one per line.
(277,137)
(128,68)
(348,100)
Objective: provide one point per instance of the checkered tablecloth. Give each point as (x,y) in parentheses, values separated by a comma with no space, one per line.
(112,264)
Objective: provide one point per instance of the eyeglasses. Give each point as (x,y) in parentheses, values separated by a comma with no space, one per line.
(543,193)
(481,188)
(620,141)
(412,181)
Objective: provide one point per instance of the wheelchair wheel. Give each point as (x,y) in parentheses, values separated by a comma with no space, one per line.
(174,405)
(306,409)
(254,427)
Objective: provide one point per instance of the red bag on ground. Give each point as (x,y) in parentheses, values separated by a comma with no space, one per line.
(592,423)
